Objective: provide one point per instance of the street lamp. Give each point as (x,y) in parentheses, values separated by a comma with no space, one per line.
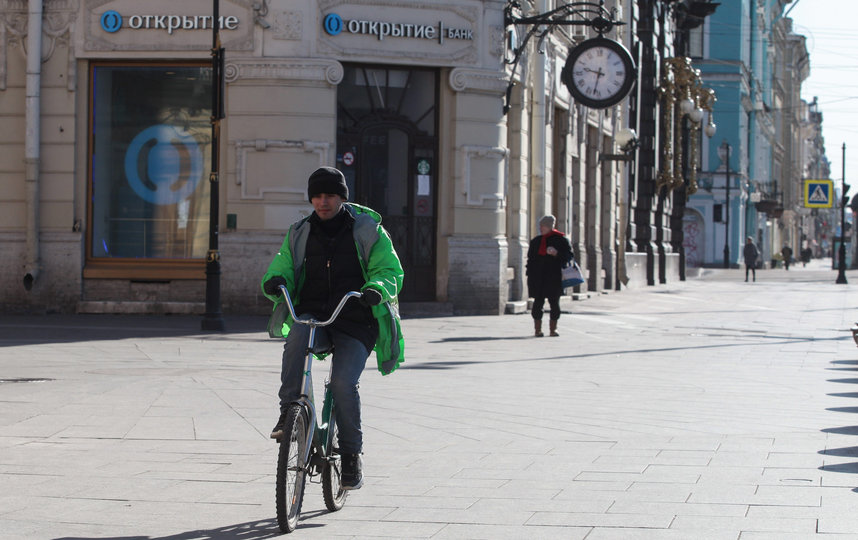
(726,148)
(841,267)
(628,142)
(853,205)
(213,318)
(683,96)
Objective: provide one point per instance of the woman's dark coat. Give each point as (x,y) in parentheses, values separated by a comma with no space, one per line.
(543,271)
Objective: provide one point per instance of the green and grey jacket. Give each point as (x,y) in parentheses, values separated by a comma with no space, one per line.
(381,269)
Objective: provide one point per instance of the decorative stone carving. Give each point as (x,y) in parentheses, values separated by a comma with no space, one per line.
(13,32)
(4,46)
(473,153)
(244,147)
(497,42)
(288,25)
(57,28)
(329,71)
(478,80)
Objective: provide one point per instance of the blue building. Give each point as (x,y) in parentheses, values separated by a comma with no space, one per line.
(747,53)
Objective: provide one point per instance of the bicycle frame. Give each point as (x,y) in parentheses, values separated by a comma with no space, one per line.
(318,434)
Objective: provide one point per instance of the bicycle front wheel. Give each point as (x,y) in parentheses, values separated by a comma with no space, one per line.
(332,487)
(291,469)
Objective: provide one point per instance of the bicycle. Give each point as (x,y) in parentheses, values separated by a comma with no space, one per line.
(309,448)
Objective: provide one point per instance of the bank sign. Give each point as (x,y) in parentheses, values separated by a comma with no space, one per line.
(112,21)
(334,25)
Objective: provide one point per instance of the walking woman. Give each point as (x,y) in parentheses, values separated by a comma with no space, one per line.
(546,255)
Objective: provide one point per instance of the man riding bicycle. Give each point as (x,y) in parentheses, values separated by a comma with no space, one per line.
(340,247)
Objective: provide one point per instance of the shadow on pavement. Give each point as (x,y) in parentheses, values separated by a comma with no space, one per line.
(467,339)
(844,381)
(849,451)
(252,530)
(33,329)
(845,430)
(450,364)
(849,468)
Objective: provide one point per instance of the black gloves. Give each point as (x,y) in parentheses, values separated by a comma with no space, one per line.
(371,297)
(272,286)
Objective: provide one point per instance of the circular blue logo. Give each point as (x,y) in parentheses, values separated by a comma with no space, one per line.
(170,161)
(111,21)
(333,24)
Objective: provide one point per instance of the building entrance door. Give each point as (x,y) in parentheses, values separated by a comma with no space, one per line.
(389,160)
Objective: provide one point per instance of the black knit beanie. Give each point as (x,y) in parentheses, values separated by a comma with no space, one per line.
(327,180)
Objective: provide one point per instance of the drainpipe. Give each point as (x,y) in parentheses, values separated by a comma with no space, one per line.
(31,144)
(538,139)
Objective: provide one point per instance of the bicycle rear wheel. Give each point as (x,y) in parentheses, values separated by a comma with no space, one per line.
(291,469)
(332,487)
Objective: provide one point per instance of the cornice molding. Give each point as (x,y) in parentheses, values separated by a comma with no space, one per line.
(302,69)
(479,80)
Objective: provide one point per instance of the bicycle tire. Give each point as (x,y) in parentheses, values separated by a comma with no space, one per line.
(291,470)
(332,487)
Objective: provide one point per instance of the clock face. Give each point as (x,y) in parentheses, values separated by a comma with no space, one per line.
(599,73)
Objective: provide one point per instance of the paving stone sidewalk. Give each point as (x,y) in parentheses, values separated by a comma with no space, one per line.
(708,409)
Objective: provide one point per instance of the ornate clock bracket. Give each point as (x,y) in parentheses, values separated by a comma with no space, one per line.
(589,14)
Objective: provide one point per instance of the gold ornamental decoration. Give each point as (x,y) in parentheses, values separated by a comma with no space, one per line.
(683,98)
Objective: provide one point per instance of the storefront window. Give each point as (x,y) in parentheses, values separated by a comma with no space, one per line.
(150,137)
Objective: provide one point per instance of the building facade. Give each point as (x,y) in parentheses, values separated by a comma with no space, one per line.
(756,63)
(106,167)
(403,96)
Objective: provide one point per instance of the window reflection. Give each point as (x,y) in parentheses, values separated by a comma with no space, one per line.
(151,135)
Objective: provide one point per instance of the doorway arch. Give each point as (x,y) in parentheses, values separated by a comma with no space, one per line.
(387,148)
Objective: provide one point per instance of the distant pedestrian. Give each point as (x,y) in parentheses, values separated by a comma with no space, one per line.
(786,252)
(751,254)
(546,255)
(806,254)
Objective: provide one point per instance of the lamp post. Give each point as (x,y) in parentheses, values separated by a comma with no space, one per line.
(726,147)
(841,267)
(853,205)
(213,318)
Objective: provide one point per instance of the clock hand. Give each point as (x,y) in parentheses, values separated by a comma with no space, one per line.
(599,75)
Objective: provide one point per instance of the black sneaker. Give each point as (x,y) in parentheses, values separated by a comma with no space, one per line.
(277,432)
(352,476)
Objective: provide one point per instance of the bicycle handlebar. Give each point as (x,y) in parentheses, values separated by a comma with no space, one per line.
(316,322)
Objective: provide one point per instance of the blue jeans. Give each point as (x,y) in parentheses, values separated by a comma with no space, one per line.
(349,360)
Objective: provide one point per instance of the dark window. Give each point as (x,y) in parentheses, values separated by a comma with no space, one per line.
(150,161)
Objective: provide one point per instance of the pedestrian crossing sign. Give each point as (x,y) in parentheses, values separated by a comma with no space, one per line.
(818,193)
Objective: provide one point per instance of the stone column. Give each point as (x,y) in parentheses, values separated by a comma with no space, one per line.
(593,217)
(267,156)
(608,235)
(478,172)
(517,215)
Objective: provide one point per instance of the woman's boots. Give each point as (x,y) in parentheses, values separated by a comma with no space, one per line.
(552,328)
